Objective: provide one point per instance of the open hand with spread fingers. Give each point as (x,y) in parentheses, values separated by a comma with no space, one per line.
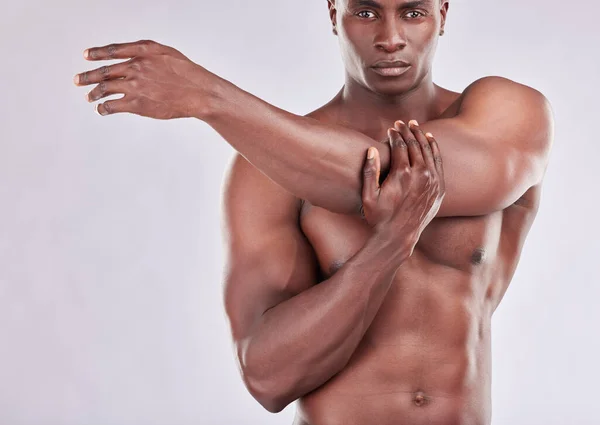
(157,81)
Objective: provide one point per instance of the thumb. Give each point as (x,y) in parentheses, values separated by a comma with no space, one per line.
(371,172)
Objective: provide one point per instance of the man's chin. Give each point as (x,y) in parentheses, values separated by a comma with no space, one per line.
(389,88)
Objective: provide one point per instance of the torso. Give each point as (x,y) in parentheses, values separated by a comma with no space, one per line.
(426,358)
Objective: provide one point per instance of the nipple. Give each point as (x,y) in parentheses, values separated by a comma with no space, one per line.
(478,256)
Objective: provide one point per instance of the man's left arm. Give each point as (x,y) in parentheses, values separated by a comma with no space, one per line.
(493,150)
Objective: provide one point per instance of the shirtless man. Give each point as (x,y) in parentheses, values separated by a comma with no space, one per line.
(367,303)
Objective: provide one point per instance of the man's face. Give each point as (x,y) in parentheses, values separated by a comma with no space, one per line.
(371,31)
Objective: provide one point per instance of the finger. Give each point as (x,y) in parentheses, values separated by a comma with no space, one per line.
(424,144)
(110,107)
(399,151)
(437,157)
(122,50)
(414,149)
(103,73)
(371,172)
(107,88)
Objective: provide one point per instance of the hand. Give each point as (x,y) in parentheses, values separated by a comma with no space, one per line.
(412,192)
(158,81)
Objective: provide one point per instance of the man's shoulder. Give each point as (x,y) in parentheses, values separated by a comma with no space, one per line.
(502,109)
(512,115)
(245,184)
(494,92)
(496,82)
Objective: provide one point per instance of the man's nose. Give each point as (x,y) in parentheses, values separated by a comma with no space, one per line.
(391,36)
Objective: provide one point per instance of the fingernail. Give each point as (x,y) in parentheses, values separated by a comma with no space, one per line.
(399,122)
(86,53)
(76,79)
(414,122)
(97,110)
(428,134)
(371,153)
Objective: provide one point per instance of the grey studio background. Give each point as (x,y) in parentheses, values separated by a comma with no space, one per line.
(110,247)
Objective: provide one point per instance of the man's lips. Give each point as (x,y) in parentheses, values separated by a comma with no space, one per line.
(390,64)
(387,71)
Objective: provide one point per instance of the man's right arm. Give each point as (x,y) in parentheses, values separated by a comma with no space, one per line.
(292,334)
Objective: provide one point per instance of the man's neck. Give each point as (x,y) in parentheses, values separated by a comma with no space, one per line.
(373,113)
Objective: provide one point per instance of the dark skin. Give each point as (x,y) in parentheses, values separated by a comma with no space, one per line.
(360,321)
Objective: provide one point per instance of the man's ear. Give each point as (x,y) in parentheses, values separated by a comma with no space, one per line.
(444,11)
(332,14)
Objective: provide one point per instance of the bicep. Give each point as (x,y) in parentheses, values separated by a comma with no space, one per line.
(268,258)
(495,149)
(482,173)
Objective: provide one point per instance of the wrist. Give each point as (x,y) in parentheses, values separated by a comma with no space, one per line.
(392,245)
(210,99)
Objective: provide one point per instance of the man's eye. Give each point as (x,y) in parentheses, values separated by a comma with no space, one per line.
(418,14)
(363,12)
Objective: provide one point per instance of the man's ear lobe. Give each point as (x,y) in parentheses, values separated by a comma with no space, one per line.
(332,14)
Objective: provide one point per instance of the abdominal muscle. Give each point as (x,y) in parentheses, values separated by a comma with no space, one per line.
(424,360)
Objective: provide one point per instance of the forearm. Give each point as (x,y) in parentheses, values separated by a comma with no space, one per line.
(315,161)
(302,342)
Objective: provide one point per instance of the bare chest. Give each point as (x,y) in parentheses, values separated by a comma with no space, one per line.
(462,243)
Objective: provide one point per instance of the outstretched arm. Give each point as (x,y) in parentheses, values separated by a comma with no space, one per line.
(495,148)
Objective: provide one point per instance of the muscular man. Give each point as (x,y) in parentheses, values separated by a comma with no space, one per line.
(363,288)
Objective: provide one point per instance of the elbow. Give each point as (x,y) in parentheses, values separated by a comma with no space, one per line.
(268,394)
(270,389)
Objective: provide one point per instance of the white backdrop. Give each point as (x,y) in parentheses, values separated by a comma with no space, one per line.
(110,248)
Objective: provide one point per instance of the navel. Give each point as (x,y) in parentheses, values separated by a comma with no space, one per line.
(478,256)
(419,398)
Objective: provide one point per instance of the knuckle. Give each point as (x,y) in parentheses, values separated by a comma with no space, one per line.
(147,45)
(108,107)
(369,171)
(104,71)
(412,141)
(400,144)
(404,170)
(437,159)
(111,49)
(102,87)
(426,147)
(135,64)
(134,83)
